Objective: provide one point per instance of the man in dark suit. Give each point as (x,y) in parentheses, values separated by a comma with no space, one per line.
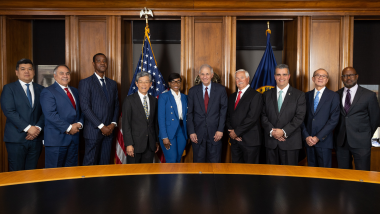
(99,103)
(243,121)
(63,120)
(283,113)
(207,109)
(322,115)
(139,122)
(20,102)
(359,119)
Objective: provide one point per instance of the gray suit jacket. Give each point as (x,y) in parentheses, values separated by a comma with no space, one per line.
(289,119)
(361,121)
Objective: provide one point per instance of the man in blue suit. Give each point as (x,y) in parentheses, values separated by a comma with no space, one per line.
(63,120)
(100,106)
(322,115)
(20,102)
(206,117)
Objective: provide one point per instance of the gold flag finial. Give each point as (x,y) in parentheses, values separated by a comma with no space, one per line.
(268,30)
(146,13)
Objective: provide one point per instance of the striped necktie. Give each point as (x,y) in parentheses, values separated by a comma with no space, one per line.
(316,101)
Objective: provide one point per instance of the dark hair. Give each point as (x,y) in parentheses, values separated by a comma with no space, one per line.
(23,61)
(93,58)
(173,76)
(55,69)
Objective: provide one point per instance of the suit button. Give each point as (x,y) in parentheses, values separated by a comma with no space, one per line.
(313,119)
(147,135)
(172,119)
(346,117)
(171,106)
(171,112)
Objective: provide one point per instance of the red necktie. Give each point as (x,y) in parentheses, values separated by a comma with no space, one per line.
(237,100)
(206,99)
(70,97)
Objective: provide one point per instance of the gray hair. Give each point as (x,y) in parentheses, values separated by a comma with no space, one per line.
(242,70)
(206,66)
(55,69)
(143,74)
(322,70)
(282,66)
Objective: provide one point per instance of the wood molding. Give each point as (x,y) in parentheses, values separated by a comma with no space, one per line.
(187,53)
(3,77)
(72,46)
(347,44)
(229,62)
(303,57)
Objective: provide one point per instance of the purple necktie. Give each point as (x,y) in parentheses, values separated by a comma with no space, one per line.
(347,102)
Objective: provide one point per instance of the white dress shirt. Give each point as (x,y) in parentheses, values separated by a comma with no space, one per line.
(31,89)
(178,101)
(101,84)
(284,91)
(352,93)
(63,88)
(242,92)
(320,92)
(208,90)
(142,100)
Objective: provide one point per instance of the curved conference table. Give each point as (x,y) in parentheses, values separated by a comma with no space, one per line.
(190,188)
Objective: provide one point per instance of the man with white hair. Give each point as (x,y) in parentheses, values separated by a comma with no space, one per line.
(207,109)
(243,120)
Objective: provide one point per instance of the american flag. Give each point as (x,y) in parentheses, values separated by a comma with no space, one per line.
(147,62)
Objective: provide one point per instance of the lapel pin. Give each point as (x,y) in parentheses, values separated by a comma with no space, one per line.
(289,93)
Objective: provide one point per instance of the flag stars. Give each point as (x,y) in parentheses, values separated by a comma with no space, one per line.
(155,66)
(151,57)
(143,69)
(145,62)
(134,88)
(158,82)
(146,55)
(152,87)
(154,74)
(157,89)
(150,64)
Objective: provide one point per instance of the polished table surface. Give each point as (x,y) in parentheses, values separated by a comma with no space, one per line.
(190,188)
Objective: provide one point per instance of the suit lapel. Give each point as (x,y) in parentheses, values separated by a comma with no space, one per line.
(212,98)
(173,103)
(200,97)
(76,97)
(340,92)
(356,98)
(36,98)
(286,99)
(63,93)
(274,99)
(243,98)
(99,86)
(311,101)
(152,107)
(184,105)
(324,98)
(21,90)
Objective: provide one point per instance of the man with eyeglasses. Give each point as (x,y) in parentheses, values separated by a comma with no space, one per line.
(283,113)
(322,115)
(359,119)
(139,122)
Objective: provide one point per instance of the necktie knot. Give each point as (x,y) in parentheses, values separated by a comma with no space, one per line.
(67,90)
(239,92)
(71,98)
(206,88)
(27,85)
(144,98)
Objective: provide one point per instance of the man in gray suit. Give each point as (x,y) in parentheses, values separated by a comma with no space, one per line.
(139,122)
(283,113)
(359,119)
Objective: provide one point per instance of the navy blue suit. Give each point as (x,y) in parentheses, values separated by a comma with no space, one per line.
(205,125)
(171,127)
(97,109)
(321,124)
(22,153)
(61,149)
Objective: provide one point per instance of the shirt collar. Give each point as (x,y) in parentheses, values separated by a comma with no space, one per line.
(284,89)
(320,91)
(244,89)
(208,87)
(352,89)
(63,87)
(175,95)
(99,78)
(23,83)
(142,95)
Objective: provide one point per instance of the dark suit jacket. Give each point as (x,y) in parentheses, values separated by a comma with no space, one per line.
(59,115)
(322,122)
(200,122)
(95,106)
(245,120)
(137,130)
(361,121)
(289,119)
(19,113)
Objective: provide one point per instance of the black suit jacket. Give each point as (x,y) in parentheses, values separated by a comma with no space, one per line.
(137,130)
(245,119)
(289,119)
(361,121)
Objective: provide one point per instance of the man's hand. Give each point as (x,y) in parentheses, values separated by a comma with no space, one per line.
(194,138)
(218,136)
(238,139)
(111,127)
(232,134)
(277,133)
(74,128)
(315,140)
(309,141)
(167,143)
(130,151)
(281,139)
(106,130)
(157,147)
(29,137)
(34,131)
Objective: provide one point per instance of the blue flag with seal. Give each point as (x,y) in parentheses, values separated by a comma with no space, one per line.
(264,76)
(147,62)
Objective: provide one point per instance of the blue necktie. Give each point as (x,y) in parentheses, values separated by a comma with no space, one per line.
(105,89)
(279,101)
(316,101)
(29,95)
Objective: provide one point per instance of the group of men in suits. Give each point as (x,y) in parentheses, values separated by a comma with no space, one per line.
(56,114)
(283,117)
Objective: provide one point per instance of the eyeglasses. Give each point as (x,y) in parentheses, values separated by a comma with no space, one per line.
(320,76)
(279,75)
(176,82)
(142,82)
(348,75)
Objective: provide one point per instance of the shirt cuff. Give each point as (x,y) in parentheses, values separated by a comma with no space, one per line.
(284,134)
(68,129)
(270,133)
(39,128)
(27,128)
(81,125)
(165,138)
(101,126)
(115,124)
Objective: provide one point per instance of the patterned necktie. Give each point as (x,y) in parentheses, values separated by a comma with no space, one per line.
(279,101)
(206,99)
(146,108)
(105,89)
(237,100)
(316,101)
(29,95)
(70,97)
(347,102)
